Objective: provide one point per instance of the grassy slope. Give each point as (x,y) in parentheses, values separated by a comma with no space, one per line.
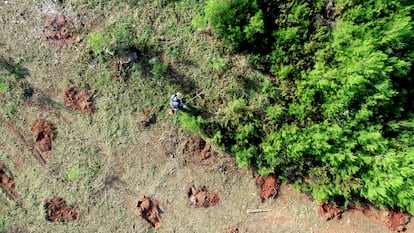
(117,161)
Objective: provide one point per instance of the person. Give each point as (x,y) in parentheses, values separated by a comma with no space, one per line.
(176,103)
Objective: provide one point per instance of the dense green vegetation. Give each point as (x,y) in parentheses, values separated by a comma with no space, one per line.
(339,107)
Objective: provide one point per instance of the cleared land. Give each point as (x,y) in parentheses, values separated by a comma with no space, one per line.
(101,159)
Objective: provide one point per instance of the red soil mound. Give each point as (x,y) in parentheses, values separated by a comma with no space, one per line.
(397,221)
(330,211)
(56,30)
(200,197)
(200,147)
(269,186)
(149,210)
(79,100)
(6,182)
(56,209)
(42,131)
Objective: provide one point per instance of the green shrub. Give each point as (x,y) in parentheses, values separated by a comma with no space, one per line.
(116,37)
(18,71)
(99,43)
(158,68)
(338,108)
(218,63)
(75,172)
(2,225)
(199,21)
(191,123)
(238,21)
(237,105)
(122,35)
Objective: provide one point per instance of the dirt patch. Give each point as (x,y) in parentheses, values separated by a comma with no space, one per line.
(330,211)
(197,145)
(7,182)
(79,100)
(149,119)
(370,212)
(394,220)
(149,210)
(200,197)
(397,221)
(269,186)
(56,210)
(57,31)
(42,131)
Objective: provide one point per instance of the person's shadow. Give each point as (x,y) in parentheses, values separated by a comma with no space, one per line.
(194,111)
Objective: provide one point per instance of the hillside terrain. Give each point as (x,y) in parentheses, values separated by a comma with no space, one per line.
(88,145)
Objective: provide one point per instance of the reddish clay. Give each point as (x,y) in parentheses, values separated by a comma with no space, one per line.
(205,152)
(397,221)
(56,209)
(148,210)
(42,131)
(200,197)
(79,100)
(200,147)
(269,186)
(56,30)
(6,182)
(330,211)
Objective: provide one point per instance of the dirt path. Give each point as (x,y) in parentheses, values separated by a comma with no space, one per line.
(294,212)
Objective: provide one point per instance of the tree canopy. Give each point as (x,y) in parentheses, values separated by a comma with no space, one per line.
(338,106)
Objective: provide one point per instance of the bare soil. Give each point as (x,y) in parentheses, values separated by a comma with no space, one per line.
(269,186)
(330,211)
(56,30)
(7,182)
(149,210)
(198,146)
(56,210)
(394,220)
(76,99)
(397,221)
(42,131)
(201,197)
